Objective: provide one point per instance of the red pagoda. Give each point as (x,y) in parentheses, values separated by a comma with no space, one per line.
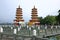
(18,17)
(34,18)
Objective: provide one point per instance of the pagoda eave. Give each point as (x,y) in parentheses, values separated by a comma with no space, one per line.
(34,15)
(19,15)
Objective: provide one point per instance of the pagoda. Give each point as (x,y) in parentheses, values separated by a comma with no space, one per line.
(18,17)
(34,18)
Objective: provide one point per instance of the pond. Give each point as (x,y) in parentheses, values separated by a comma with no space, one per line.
(52,38)
(55,38)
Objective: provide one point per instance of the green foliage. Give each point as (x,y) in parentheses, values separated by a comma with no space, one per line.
(58,37)
(58,17)
(41,20)
(48,20)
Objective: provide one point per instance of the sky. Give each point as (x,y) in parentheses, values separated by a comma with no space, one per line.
(44,8)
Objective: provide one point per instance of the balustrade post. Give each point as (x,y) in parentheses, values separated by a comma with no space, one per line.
(52,29)
(46,30)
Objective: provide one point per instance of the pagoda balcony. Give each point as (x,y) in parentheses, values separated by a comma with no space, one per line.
(34,15)
(34,9)
(19,9)
(18,12)
(19,15)
(19,20)
(33,20)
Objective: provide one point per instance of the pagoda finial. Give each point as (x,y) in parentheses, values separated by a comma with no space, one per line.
(34,6)
(19,6)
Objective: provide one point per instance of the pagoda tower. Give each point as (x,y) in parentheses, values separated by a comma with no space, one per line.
(34,18)
(18,17)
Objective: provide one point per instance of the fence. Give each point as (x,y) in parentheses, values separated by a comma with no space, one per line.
(24,33)
(19,37)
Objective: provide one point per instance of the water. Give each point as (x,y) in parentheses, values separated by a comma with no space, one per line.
(52,38)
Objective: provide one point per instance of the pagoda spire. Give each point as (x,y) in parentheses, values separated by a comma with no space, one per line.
(19,6)
(19,3)
(34,6)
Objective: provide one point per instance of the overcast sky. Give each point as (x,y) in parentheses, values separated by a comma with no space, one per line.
(44,7)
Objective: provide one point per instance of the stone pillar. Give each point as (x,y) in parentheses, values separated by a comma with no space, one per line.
(34,32)
(51,29)
(46,30)
(11,27)
(1,29)
(15,31)
(56,29)
(19,28)
(27,26)
(29,30)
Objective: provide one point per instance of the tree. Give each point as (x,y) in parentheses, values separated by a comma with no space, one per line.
(41,20)
(58,17)
(48,20)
